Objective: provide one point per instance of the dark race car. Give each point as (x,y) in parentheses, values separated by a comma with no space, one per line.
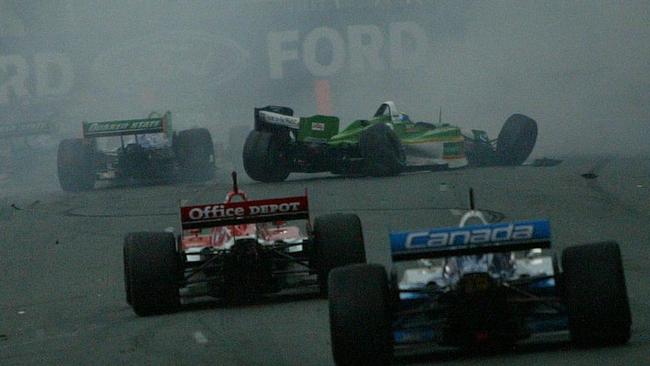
(469,288)
(134,150)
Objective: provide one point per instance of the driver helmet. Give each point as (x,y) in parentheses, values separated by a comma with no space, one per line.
(146,140)
(403,117)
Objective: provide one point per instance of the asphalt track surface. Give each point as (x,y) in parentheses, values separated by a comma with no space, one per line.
(61,288)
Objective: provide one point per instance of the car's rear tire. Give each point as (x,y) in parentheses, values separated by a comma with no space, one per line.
(153,272)
(195,153)
(75,165)
(264,158)
(516,140)
(337,242)
(127,274)
(360,317)
(593,286)
(382,151)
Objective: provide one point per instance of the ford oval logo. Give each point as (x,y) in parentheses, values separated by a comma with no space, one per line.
(175,60)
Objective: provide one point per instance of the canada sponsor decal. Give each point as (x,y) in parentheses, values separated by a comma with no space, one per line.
(471,235)
(464,237)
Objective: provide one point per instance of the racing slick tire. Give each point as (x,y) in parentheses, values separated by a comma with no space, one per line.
(593,285)
(75,165)
(264,160)
(360,316)
(337,242)
(152,272)
(127,288)
(516,140)
(195,152)
(382,151)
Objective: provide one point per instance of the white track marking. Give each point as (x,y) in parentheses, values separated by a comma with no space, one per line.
(200,338)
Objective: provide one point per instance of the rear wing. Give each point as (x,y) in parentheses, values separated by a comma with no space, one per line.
(128,127)
(26,129)
(245,212)
(261,118)
(316,128)
(470,240)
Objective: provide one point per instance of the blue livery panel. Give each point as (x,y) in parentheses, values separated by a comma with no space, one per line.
(468,240)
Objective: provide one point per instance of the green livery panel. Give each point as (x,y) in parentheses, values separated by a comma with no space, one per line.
(408,132)
(386,144)
(127,127)
(351,134)
(116,128)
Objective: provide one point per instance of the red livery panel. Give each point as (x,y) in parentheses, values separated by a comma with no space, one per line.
(233,213)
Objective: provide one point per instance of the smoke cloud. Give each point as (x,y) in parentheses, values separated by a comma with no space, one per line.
(579,68)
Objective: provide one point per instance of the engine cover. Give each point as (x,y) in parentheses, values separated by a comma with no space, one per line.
(247,270)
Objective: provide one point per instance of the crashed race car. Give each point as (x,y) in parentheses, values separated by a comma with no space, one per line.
(387,144)
(135,150)
(238,251)
(479,286)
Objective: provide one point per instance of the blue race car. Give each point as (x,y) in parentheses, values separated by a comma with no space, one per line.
(477,286)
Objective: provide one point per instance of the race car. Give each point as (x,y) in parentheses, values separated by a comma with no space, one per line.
(134,150)
(238,250)
(387,144)
(477,286)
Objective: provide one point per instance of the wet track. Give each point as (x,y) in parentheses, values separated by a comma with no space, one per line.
(62,297)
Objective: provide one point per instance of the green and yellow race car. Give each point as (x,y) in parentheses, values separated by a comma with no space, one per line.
(387,144)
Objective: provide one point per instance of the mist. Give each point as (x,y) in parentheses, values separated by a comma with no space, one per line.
(579,68)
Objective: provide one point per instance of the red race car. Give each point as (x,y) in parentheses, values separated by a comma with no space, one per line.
(238,250)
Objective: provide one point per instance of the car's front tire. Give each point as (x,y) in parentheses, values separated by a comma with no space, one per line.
(516,140)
